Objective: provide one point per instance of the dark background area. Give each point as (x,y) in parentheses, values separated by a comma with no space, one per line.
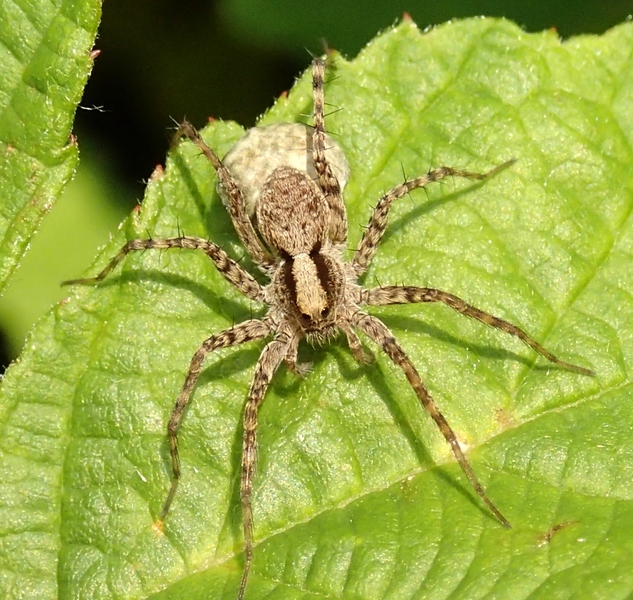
(230,60)
(164,59)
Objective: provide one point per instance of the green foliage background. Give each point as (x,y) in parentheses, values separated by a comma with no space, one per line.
(357,495)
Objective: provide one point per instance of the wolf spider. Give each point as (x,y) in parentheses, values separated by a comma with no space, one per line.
(313,292)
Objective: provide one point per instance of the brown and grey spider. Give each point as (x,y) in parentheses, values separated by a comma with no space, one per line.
(313,292)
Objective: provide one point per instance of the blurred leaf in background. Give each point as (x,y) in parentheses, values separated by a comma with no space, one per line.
(347,24)
(45,61)
(86,216)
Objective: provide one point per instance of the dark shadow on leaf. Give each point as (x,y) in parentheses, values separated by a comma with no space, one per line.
(213,214)
(376,378)
(224,367)
(202,204)
(409,324)
(233,520)
(402,323)
(231,361)
(350,370)
(460,484)
(283,386)
(425,207)
(218,304)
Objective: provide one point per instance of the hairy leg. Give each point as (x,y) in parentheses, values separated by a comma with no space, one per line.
(378,221)
(271,357)
(237,205)
(327,181)
(381,334)
(230,269)
(247,331)
(395,294)
(355,345)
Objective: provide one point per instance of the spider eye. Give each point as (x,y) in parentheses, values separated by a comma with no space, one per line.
(306,316)
(325,312)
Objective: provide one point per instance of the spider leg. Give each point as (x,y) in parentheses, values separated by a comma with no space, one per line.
(237,205)
(381,334)
(327,180)
(356,347)
(229,268)
(378,221)
(271,357)
(292,359)
(247,331)
(395,294)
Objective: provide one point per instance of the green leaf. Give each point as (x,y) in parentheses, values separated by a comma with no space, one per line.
(45,57)
(357,494)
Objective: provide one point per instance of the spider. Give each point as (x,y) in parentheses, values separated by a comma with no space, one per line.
(313,291)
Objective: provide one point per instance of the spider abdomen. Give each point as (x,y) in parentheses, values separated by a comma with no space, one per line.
(292,214)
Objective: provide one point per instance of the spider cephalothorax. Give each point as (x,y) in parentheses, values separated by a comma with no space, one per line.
(313,292)
(309,281)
